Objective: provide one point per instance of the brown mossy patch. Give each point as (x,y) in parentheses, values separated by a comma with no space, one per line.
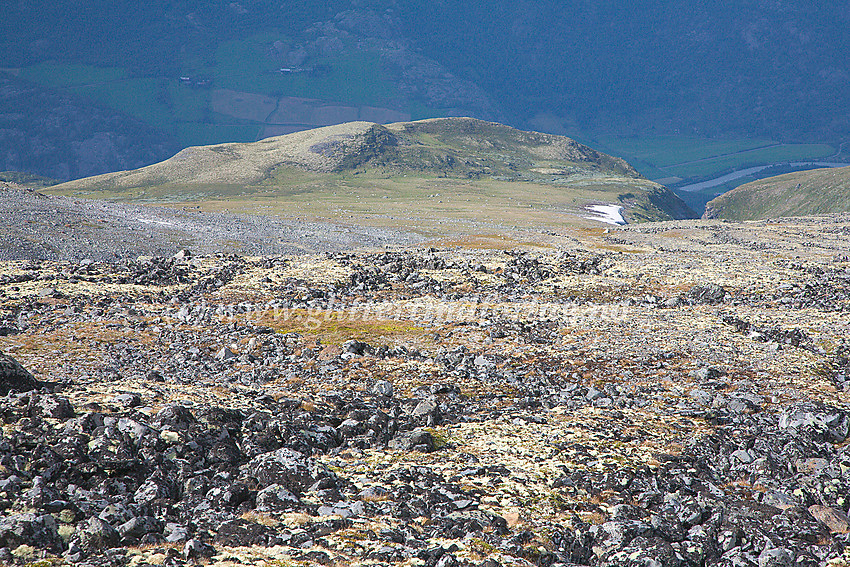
(485,242)
(72,341)
(329,327)
(619,248)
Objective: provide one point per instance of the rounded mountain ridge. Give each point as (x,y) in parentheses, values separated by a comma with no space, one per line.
(452,147)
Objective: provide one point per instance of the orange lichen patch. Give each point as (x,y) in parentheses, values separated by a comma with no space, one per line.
(512,517)
(592,231)
(619,248)
(332,327)
(330,352)
(262,519)
(595,518)
(484,242)
(41,350)
(465,287)
(743,488)
(376,498)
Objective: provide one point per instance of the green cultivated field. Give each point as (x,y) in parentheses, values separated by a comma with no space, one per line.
(761,156)
(59,75)
(664,151)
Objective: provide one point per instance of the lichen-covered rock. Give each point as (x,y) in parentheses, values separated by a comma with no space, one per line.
(645,552)
(174,417)
(14,377)
(51,406)
(416,440)
(240,533)
(96,534)
(39,531)
(195,549)
(138,527)
(833,518)
(816,420)
(287,468)
(710,294)
(276,498)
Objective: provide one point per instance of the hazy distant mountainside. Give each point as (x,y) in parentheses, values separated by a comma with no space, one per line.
(752,67)
(224,74)
(816,192)
(766,67)
(407,164)
(684,92)
(64,137)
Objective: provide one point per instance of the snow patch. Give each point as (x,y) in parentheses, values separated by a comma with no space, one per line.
(155,221)
(610,214)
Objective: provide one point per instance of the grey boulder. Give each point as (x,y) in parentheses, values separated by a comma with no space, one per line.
(14,377)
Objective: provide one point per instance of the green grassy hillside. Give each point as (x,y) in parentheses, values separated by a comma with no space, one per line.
(815,192)
(418,175)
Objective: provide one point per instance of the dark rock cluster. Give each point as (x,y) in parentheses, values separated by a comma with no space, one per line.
(82,484)
(182,425)
(763,488)
(825,287)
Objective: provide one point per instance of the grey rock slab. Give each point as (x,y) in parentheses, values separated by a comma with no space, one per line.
(374,493)
(428,409)
(139,526)
(149,491)
(668,524)
(276,498)
(820,421)
(225,354)
(644,552)
(14,377)
(776,557)
(129,400)
(95,534)
(241,533)
(196,549)
(175,533)
(285,467)
(29,529)
(743,456)
(710,294)
(52,406)
(115,514)
(780,500)
(416,440)
(383,388)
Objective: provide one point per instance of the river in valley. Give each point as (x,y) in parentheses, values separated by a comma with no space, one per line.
(752,170)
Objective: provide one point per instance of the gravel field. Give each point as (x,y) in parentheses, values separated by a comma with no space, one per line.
(55,228)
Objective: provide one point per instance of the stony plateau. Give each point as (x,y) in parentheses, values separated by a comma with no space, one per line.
(669,393)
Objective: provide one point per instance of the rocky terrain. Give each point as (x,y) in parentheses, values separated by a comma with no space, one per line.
(42,226)
(663,394)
